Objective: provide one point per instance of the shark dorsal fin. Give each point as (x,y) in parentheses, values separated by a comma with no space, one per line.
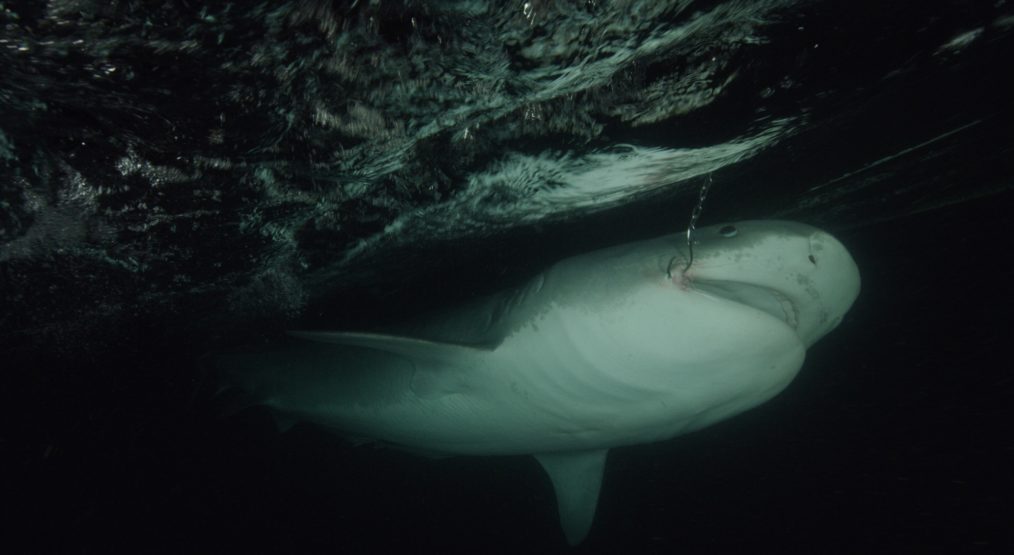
(577,478)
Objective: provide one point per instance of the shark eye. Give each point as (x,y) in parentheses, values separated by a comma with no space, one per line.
(728,231)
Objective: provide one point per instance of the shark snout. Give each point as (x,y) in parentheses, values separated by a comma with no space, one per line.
(833,285)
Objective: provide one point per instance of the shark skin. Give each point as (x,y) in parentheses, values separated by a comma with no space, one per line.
(621,346)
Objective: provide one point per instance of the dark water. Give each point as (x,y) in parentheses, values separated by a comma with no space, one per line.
(178,179)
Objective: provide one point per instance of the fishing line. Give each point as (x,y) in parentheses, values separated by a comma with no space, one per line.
(692,227)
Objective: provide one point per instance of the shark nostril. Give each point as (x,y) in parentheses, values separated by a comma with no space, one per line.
(812,259)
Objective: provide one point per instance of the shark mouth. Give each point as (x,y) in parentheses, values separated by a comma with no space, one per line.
(764,299)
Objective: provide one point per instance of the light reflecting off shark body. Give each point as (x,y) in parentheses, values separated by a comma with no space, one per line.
(601,350)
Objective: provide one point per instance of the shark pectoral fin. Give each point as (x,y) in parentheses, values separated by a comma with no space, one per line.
(440,368)
(415,349)
(577,478)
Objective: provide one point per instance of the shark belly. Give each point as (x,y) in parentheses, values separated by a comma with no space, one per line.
(582,384)
(565,383)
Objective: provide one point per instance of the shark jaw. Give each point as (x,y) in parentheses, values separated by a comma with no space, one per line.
(799,274)
(601,350)
(766,300)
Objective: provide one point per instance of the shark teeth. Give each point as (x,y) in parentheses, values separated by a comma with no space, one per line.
(789,309)
(763,298)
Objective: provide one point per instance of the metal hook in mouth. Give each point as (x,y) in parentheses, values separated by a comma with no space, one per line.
(668,270)
(692,228)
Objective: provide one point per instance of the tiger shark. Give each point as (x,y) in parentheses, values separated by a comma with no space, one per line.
(626,345)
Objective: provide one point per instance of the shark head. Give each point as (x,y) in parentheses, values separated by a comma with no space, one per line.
(632,344)
(792,271)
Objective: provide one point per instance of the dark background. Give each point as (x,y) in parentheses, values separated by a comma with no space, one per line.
(895,437)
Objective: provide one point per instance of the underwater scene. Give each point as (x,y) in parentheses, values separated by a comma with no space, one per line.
(575,276)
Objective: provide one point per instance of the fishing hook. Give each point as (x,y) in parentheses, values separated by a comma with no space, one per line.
(692,227)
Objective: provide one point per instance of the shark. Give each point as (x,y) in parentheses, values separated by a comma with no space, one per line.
(631,344)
